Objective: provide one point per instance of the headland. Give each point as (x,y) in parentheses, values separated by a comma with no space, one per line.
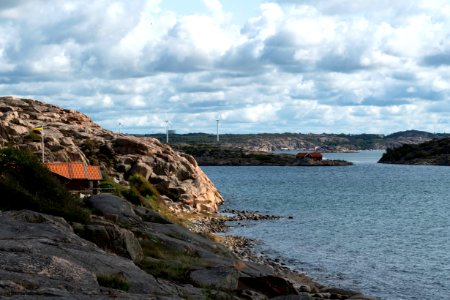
(130,243)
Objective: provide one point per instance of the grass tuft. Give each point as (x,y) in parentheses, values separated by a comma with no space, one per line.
(115,281)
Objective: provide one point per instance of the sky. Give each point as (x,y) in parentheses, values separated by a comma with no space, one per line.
(310,66)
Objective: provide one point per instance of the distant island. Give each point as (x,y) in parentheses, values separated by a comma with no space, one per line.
(269,142)
(217,155)
(434,152)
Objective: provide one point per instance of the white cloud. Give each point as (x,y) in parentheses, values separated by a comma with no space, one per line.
(51,59)
(137,101)
(216,9)
(440,84)
(324,65)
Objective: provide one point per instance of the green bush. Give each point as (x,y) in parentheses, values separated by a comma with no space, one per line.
(139,192)
(115,281)
(132,195)
(143,187)
(32,136)
(25,183)
(112,187)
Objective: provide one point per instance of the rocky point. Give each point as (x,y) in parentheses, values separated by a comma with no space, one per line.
(73,136)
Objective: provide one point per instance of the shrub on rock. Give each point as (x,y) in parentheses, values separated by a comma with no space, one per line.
(25,183)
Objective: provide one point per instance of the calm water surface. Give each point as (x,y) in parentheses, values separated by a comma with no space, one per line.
(380,229)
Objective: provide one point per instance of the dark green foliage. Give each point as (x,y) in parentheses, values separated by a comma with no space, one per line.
(143,187)
(33,136)
(112,187)
(132,195)
(25,183)
(167,269)
(436,151)
(411,133)
(139,192)
(115,281)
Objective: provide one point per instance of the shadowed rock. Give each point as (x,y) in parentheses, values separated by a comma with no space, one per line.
(112,238)
(114,207)
(271,286)
(41,254)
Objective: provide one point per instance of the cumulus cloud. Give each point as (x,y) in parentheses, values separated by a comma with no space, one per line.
(311,65)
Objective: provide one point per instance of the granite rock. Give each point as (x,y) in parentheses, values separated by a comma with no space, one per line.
(72,136)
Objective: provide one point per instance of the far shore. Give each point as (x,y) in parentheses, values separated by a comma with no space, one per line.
(214,155)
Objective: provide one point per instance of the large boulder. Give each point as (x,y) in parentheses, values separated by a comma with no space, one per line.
(72,136)
(114,207)
(129,145)
(111,237)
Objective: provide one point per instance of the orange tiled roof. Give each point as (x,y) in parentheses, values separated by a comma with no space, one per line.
(75,170)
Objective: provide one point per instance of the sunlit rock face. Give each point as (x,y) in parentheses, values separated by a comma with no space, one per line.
(72,136)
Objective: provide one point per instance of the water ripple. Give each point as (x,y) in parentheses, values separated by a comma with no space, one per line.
(380,229)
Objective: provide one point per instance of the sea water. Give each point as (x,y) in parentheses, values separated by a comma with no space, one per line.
(380,229)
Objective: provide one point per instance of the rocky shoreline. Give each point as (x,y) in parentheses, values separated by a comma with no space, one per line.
(132,245)
(218,223)
(244,248)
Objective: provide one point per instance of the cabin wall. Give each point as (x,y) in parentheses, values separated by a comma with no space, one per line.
(78,185)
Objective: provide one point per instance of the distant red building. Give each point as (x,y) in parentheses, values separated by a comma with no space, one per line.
(77,176)
(311,155)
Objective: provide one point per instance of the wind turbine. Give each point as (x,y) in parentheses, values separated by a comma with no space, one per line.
(167,131)
(217,126)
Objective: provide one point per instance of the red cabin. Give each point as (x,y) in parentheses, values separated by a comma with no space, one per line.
(77,176)
(310,155)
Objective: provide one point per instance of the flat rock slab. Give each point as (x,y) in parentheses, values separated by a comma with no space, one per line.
(109,205)
(223,278)
(41,255)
